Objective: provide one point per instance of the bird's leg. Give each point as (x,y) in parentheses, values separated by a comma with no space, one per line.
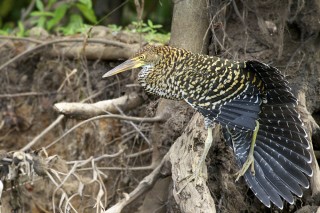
(250,159)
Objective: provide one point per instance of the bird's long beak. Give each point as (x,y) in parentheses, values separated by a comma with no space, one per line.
(127,65)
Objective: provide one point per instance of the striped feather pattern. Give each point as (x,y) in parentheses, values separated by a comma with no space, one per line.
(282,159)
(235,95)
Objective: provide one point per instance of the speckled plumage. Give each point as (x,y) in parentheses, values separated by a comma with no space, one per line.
(237,95)
(206,79)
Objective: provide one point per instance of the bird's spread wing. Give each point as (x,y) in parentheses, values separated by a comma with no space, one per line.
(239,113)
(281,151)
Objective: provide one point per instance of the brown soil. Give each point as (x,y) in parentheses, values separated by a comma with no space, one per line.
(289,41)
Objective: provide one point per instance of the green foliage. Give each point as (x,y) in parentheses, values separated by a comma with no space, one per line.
(150,31)
(67,17)
(70,17)
(114,27)
(51,16)
(22,30)
(148,27)
(74,26)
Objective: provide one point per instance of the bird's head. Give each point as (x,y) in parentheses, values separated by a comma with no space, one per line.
(147,56)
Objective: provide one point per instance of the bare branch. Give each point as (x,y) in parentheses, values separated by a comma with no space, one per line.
(38,137)
(64,40)
(93,52)
(163,169)
(154,119)
(21,39)
(87,110)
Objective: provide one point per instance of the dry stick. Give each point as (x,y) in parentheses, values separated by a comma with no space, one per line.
(88,110)
(98,158)
(26,12)
(73,169)
(135,127)
(143,186)
(129,118)
(21,39)
(101,41)
(37,138)
(26,94)
(51,126)
(138,168)
(211,25)
(146,151)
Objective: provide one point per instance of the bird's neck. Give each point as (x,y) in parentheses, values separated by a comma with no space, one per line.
(162,79)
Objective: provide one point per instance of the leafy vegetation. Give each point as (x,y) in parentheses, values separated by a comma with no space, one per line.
(72,17)
(148,30)
(51,15)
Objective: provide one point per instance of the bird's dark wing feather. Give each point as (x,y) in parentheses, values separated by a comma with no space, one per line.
(239,113)
(282,159)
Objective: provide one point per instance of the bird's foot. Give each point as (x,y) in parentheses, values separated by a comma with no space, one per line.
(250,159)
(248,163)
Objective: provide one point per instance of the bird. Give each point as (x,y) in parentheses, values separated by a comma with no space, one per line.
(253,103)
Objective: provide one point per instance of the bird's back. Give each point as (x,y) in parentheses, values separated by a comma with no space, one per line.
(236,95)
(241,96)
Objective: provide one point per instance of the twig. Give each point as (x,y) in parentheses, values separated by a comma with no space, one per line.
(129,118)
(87,110)
(21,39)
(112,11)
(98,158)
(91,40)
(28,10)
(24,94)
(38,137)
(138,168)
(135,127)
(146,151)
(144,185)
(60,185)
(59,119)
(67,79)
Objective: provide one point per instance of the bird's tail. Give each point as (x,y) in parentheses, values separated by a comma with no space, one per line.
(282,158)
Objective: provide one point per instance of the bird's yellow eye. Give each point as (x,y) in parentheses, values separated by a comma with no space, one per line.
(142,57)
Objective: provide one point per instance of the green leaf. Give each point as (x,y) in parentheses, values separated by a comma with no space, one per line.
(88,3)
(4,32)
(157,26)
(150,23)
(39,5)
(114,27)
(42,14)
(40,22)
(87,12)
(51,2)
(59,13)
(74,26)
(144,30)
(21,31)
